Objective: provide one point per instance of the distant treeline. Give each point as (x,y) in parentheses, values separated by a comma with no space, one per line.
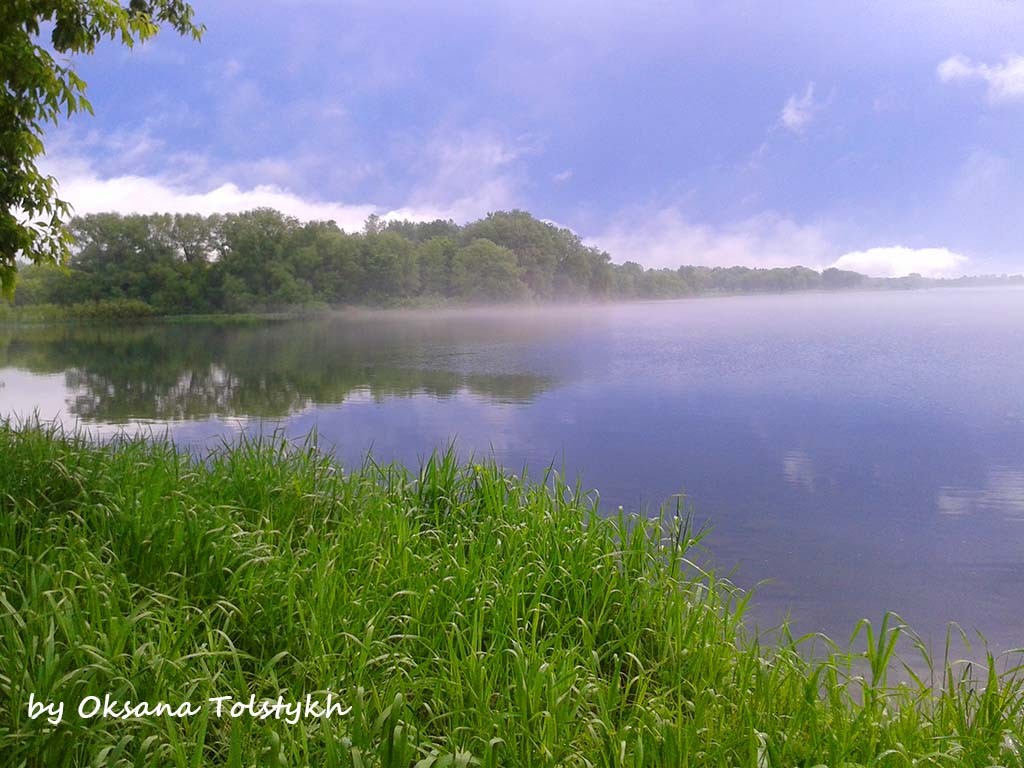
(263,261)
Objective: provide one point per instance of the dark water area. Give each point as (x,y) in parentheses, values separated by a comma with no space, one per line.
(861,452)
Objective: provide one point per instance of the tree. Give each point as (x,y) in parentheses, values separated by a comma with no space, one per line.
(435,262)
(390,265)
(533,242)
(37,89)
(484,271)
(257,245)
(841,278)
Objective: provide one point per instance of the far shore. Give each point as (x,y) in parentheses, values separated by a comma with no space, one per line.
(119,311)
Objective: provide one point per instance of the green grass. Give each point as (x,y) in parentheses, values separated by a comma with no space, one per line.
(111,312)
(467,616)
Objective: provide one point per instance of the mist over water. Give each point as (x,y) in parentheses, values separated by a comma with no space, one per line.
(864,452)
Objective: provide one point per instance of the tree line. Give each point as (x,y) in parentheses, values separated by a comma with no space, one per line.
(189,371)
(263,260)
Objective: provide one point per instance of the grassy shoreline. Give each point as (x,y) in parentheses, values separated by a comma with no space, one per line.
(468,617)
(117,311)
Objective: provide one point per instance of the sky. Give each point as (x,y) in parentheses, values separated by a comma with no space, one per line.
(878,136)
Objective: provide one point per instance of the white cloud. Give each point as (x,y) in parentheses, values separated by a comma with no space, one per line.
(464,176)
(983,177)
(666,238)
(231,69)
(88,192)
(797,113)
(565,175)
(1005,80)
(897,261)
(461,178)
(490,195)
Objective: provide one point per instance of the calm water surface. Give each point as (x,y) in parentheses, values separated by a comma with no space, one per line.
(863,452)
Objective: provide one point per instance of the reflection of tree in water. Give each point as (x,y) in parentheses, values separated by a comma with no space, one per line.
(181,372)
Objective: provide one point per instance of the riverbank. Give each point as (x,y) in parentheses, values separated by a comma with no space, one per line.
(116,311)
(457,610)
(119,311)
(133,310)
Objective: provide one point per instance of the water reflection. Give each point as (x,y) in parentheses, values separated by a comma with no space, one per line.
(1002,494)
(862,452)
(798,469)
(191,372)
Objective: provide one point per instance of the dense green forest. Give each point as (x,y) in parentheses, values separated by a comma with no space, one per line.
(263,261)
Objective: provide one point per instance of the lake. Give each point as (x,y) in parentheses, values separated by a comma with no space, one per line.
(862,452)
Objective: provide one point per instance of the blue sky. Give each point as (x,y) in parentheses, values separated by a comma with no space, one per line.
(881,136)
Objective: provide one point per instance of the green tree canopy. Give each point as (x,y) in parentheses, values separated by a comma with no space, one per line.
(485,271)
(265,261)
(39,89)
